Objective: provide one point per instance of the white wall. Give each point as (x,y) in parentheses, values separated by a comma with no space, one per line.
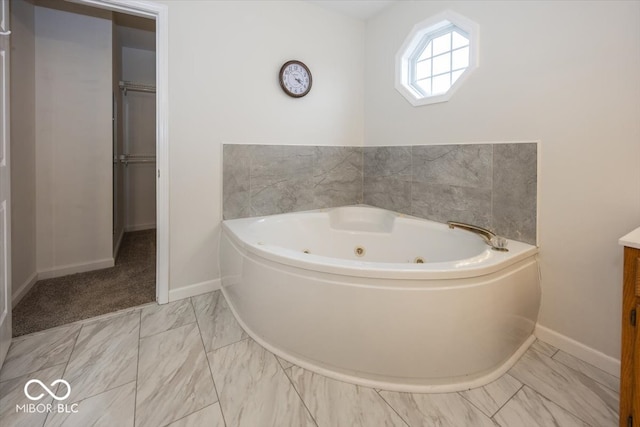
(563,73)
(23,147)
(224,62)
(73,140)
(139,66)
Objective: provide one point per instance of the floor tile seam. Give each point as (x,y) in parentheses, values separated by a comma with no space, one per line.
(586,375)
(570,411)
(227,345)
(391,406)
(477,407)
(206,355)
(167,330)
(296,390)
(522,385)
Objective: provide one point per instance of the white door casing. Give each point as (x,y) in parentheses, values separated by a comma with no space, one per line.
(5,186)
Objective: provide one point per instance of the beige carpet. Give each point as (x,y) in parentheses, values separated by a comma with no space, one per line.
(55,302)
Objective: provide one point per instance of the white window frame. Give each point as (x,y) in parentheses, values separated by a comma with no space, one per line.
(417,40)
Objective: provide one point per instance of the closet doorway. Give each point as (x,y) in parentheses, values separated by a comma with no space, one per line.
(137,150)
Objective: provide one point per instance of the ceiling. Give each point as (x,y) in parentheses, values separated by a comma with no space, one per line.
(359,9)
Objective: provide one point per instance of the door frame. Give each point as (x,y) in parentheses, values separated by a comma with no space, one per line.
(159,13)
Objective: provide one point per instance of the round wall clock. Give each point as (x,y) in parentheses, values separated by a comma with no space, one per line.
(295,79)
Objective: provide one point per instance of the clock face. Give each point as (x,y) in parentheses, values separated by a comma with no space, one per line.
(295,79)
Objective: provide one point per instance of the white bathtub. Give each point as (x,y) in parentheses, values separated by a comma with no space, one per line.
(375,317)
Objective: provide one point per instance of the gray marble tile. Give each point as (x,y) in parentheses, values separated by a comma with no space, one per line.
(453,165)
(515,191)
(281,179)
(448,409)
(335,403)
(12,394)
(39,351)
(387,161)
(174,379)
(253,389)
(528,408)
(111,408)
(589,370)
(544,348)
(236,179)
(211,416)
(572,390)
(442,203)
(388,192)
(160,318)
(492,396)
(217,324)
(104,356)
(337,176)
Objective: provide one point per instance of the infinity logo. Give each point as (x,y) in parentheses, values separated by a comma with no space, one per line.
(51,393)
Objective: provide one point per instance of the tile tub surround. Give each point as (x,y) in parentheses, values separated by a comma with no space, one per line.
(236,383)
(491,185)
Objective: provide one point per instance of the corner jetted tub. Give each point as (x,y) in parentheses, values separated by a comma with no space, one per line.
(380,299)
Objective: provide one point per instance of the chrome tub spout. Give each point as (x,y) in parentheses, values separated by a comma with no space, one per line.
(497,243)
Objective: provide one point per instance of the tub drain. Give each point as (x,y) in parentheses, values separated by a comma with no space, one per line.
(419,260)
(306,251)
(359,251)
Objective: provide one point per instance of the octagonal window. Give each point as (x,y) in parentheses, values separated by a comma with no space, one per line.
(435,58)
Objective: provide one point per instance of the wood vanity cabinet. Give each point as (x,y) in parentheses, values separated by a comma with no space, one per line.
(630,360)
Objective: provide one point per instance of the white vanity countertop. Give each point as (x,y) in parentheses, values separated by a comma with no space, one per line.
(631,240)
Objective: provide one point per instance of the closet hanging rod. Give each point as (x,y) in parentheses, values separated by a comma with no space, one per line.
(136,87)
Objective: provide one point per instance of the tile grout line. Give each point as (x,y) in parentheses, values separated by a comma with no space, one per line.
(295,389)
(508,400)
(588,376)
(459,393)
(391,406)
(206,355)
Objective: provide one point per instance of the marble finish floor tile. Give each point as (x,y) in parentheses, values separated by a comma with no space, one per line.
(253,388)
(105,356)
(574,391)
(12,394)
(544,348)
(492,396)
(589,370)
(446,410)
(211,416)
(284,363)
(39,351)
(111,408)
(215,319)
(174,379)
(335,403)
(159,318)
(530,409)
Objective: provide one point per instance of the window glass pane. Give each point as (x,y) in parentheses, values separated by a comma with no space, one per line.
(423,69)
(442,64)
(460,58)
(441,84)
(425,85)
(455,75)
(442,44)
(426,53)
(459,40)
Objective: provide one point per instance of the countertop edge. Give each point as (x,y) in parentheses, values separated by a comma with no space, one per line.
(631,239)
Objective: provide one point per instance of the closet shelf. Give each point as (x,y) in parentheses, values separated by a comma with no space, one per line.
(136,87)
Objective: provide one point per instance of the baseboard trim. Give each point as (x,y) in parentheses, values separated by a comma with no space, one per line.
(193,290)
(24,288)
(590,355)
(139,227)
(75,268)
